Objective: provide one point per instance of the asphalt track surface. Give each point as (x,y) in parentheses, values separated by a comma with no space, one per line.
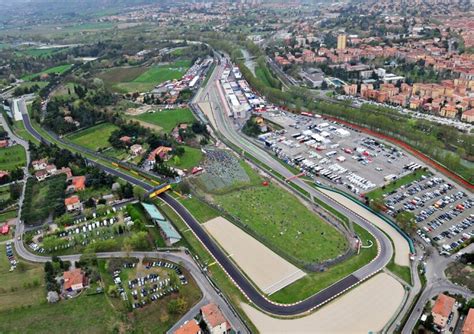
(248,289)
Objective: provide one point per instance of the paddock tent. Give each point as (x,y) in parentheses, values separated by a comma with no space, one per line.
(167,230)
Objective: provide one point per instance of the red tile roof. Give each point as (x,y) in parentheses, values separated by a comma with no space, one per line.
(443,305)
(213,315)
(71,200)
(468,327)
(73,277)
(5,229)
(79,182)
(190,327)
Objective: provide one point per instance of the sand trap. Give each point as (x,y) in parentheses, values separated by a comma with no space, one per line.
(266,269)
(402,249)
(368,307)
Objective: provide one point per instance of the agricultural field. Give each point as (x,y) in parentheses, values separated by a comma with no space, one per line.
(167,119)
(39,53)
(91,314)
(22,287)
(12,157)
(142,79)
(191,158)
(56,70)
(95,137)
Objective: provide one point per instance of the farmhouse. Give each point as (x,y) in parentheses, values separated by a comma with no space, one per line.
(73,203)
(74,280)
(167,230)
(442,309)
(214,319)
(3,143)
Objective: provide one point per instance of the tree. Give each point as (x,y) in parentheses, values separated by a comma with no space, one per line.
(174,279)
(406,220)
(378,204)
(177,306)
(112,291)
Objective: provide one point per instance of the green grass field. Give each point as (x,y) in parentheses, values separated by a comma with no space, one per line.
(168,119)
(41,53)
(200,210)
(28,84)
(20,131)
(316,281)
(379,192)
(20,287)
(7,216)
(139,79)
(12,157)
(94,137)
(85,314)
(57,70)
(4,192)
(283,223)
(191,158)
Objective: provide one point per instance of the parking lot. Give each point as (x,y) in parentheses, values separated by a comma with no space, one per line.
(10,255)
(150,286)
(342,157)
(332,153)
(443,213)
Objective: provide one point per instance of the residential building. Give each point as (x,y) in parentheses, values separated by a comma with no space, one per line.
(78,183)
(161,152)
(442,309)
(468,116)
(136,149)
(214,319)
(39,164)
(41,175)
(73,203)
(3,143)
(341,41)
(4,173)
(5,229)
(468,326)
(189,327)
(74,280)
